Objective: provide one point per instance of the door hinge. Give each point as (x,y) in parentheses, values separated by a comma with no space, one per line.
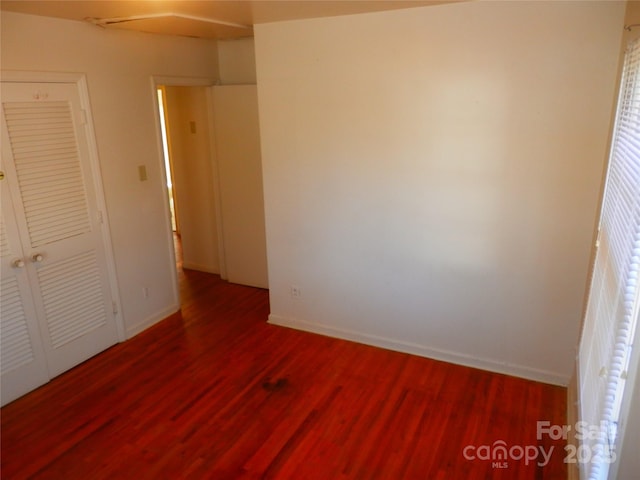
(114,306)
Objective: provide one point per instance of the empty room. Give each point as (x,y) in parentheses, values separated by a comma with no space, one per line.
(320,239)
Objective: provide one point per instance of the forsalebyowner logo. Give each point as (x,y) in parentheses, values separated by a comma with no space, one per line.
(499,453)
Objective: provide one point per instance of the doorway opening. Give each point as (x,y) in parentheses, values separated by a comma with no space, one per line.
(190,183)
(208,138)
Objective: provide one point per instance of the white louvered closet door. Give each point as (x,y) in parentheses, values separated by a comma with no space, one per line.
(22,360)
(48,172)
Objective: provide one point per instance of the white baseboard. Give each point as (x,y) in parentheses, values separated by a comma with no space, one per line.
(134,330)
(200,268)
(422,350)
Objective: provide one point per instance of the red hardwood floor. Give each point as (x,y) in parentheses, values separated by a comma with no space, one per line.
(214,392)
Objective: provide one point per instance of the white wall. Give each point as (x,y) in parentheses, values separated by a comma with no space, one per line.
(432,175)
(119,66)
(237,61)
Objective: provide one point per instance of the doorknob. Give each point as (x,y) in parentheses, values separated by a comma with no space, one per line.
(36,257)
(17,263)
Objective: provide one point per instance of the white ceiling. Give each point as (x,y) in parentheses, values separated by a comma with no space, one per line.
(201,18)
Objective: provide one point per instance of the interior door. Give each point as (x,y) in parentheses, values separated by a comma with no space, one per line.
(48,174)
(237,134)
(22,364)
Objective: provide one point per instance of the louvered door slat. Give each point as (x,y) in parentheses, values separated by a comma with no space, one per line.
(22,132)
(61,217)
(22,127)
(46,208)
(38,181)
(44,203)
(15,345)
(63,183)
(48,164)
(5,251)
(25,146)
(59,232)
(40,198)
(24,124)
(61,229)
(44,177)
(83,309)
(62,152)
(39,145)
(62,306)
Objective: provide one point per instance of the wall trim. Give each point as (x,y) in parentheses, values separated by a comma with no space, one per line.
(421,350)
(151,320)
(172,80)
(40,77)
(200,268)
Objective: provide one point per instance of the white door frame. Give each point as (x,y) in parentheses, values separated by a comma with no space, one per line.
(80,80)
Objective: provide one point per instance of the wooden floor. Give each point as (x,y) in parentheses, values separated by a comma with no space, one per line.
(215,392)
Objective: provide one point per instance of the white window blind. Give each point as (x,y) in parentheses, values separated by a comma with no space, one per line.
(612,308)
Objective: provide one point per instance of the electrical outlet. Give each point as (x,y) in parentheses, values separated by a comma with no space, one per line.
(295,291)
